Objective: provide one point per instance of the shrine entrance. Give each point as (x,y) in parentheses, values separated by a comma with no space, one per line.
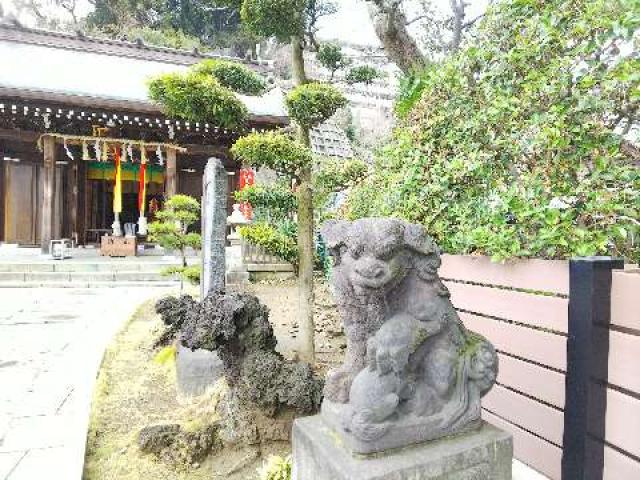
(100,184)
(81,190)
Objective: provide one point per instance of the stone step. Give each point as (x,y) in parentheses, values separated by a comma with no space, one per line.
(76,284)
(269,267)
(62,266)
(63,277)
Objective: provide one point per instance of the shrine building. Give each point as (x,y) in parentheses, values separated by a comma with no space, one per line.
(69,105)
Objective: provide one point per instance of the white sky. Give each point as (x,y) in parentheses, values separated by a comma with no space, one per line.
(351,23)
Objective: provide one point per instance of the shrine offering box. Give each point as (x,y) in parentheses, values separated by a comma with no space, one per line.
(118,246)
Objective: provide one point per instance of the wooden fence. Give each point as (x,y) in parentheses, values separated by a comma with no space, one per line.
(554,392)
(253,254)
(258,262)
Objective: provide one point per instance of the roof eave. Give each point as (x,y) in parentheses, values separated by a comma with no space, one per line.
(124,105)
(106,46)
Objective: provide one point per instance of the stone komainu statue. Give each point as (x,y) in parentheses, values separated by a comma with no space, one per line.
(412,372)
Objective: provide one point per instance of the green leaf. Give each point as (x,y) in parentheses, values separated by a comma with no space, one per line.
(166,356)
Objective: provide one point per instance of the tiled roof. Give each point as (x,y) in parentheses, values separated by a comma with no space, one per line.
(44,65)
(330,140)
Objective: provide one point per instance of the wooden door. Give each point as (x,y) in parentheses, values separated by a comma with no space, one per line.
(23,199)
(21,219)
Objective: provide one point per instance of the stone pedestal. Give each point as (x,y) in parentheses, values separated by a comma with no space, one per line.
(319,454)
(196,370)
(237,273)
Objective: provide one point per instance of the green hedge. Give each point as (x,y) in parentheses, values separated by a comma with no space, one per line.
(278,18)
(233,75)
(274,150)
(511,148)
(363,74)
(312,103)
(274,201)
(271,240)
(197,98)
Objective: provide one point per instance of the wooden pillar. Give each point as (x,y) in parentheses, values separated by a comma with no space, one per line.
(73,186)
(171,186)
(81,199)
(587,359)
(2,192)
(49,192)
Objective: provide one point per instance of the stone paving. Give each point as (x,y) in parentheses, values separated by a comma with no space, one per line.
(51,346)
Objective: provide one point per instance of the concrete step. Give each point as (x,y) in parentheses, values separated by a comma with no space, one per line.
(269,267)
(103,277)
(64,266)
(76,284)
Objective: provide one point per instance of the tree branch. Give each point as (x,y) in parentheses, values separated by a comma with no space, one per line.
(471,23)
(414,20)
(457,7)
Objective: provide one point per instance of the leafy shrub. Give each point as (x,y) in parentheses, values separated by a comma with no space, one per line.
(166,356)
(279,18)
(233,75)
(276,468)
(312,103)
(331,57)
(271,240)
(173,221)
(275,202)
(170,231)
(410,90)
(512,149)
(197,98)
(363,74)
(190,273)
(273,150)
(334,175)
(165,37)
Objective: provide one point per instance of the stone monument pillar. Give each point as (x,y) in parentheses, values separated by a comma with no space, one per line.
(214,228)
(199,369)
(406,401)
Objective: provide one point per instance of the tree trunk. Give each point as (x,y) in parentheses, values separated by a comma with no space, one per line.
(390,25)
(297,61)
(306,253)
(457,7)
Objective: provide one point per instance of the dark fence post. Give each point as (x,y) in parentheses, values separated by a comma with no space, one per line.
(587,358)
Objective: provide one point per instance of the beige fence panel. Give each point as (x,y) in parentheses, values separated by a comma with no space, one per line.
(536,310)
(532,380)
(618,466)
(539,275)
(625,293)
(624,361)
(533,416)
(522,308)
(622,428)
(539,454)
(623,422)
(538,346)
(253,254)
